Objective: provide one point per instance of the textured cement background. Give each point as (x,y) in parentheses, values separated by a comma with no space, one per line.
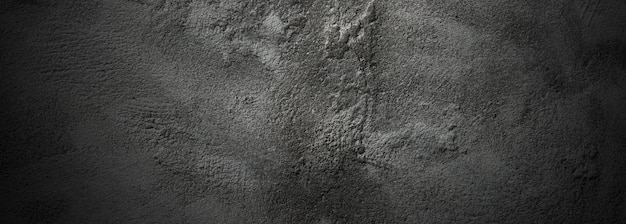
(327,111)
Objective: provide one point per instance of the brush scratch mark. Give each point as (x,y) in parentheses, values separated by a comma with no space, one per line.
(593,12)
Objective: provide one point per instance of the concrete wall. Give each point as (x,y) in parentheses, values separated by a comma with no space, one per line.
(328,111)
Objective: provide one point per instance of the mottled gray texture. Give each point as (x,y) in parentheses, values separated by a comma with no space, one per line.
(329,111)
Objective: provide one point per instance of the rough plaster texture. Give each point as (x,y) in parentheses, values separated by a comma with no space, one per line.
(327,111)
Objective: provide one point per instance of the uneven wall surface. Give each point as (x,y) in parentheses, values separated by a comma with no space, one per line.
(327,111)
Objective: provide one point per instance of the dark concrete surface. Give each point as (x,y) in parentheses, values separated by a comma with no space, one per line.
(329,111)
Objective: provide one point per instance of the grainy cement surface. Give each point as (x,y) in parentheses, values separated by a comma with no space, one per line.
(327,111)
